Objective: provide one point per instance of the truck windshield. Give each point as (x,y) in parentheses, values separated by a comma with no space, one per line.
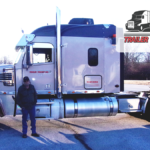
(133,16)
(137,16)
(18,56)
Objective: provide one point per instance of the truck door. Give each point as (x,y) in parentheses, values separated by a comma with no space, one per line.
(41,70)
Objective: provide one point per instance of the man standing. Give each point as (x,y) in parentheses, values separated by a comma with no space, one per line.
(27,99)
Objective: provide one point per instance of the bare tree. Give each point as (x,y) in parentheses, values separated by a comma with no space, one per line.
(147,55)
(131,55)
(132,62)
(5,60)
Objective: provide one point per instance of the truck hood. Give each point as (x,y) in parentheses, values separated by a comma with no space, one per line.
(6,65)
(3,66)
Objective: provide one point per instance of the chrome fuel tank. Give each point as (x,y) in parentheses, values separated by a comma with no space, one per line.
(87,107)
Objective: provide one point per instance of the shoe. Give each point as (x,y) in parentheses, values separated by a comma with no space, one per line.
(24,136)
(35,134)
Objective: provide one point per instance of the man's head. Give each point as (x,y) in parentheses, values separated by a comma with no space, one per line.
(26,81)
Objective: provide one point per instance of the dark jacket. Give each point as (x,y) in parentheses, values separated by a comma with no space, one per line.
(26,97)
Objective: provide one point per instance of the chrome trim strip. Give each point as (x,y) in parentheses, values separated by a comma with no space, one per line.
(7,92)
(136,110)
(83,92)
(45,91)
(44,103)
(38,92)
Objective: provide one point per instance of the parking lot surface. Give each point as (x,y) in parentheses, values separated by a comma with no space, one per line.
(123,131)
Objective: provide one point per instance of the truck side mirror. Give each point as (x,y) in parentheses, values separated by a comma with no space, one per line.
(29,55)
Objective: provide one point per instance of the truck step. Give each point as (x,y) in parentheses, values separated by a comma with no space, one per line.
(127,111)
(44,118)
(44,103)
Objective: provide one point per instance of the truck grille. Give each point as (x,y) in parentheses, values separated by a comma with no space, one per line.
(6,76)
(130,24)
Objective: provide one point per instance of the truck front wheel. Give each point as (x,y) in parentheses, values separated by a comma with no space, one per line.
(141,28)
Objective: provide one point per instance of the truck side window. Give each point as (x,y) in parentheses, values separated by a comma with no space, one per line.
(42,55)
(92,57)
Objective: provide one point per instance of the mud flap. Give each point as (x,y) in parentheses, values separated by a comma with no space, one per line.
(2,112)
(146,115)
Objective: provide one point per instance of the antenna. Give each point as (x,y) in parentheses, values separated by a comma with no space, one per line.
(22,30)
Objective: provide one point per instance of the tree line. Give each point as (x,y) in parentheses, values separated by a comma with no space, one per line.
(135,68)
(5,60)
(136,65)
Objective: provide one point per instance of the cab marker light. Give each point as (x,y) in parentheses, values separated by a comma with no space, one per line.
(114,35)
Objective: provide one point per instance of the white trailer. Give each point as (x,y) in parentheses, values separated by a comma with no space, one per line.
(77,71)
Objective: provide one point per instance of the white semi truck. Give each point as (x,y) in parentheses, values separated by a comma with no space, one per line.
(140,21)
(77,71)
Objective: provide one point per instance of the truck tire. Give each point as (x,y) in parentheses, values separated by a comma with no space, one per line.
(141,27)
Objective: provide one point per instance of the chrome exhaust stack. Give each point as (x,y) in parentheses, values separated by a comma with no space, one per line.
(58,41)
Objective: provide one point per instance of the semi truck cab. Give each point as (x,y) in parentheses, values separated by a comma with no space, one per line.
(77,71)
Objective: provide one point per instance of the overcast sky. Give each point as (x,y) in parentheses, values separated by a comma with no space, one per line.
(31,14)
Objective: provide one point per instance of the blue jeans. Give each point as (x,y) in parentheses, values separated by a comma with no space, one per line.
(25,113)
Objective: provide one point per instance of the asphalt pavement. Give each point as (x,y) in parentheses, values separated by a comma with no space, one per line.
(121,132)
